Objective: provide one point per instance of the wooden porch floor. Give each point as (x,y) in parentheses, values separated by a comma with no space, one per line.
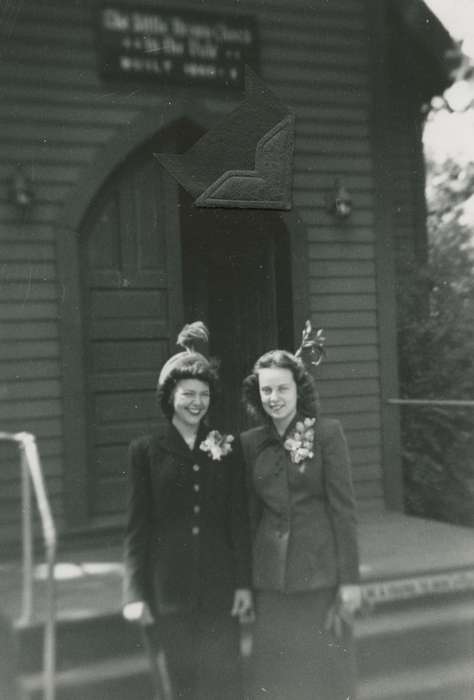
(398,554)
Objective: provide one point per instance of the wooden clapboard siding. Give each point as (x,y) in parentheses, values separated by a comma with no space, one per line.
(52,116)
(127,262)
(9,520)
(404,175)
(329,92)
(30,389)
(407,162)
(29,355)
(11,490)
(352,387)
(55,117)
(51,463)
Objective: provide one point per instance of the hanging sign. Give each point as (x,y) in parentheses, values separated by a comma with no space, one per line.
(175,47)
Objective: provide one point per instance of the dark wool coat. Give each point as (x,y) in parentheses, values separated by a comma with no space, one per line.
(304,523)
(187,542)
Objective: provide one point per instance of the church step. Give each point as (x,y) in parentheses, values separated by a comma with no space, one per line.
(125,677)
(454,681)
(120,678)
(439,632)
(80,641)
(399,645)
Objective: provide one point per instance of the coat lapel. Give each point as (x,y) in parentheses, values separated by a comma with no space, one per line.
(271,458)
(171,441)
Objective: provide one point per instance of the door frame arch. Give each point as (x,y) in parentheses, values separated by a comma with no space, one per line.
(115,151)
(67,229)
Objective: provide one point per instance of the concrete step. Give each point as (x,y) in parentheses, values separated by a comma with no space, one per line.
(120,678)
(402,650)
(80,641)
(454,681)
(415,635)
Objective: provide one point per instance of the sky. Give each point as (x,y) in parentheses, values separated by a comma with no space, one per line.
(453,134)
(458,18)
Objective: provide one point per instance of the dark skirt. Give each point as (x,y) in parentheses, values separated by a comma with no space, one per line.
(294,657)
(202,654)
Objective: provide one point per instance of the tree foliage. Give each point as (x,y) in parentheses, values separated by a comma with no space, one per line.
(436,342)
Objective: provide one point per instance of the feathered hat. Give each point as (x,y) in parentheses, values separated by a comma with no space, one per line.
(194,338)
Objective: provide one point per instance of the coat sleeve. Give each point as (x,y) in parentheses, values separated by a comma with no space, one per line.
(255,507)
(239,520)
(137,531)
(340,495)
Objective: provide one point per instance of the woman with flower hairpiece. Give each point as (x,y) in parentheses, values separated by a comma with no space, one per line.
(305,554)
(187,544)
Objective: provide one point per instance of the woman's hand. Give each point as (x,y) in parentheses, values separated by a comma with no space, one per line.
(348,602)
(243,605)
(350,597)
(138,611)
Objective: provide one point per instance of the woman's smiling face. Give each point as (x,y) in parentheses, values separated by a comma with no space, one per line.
(191,399)
(278,394)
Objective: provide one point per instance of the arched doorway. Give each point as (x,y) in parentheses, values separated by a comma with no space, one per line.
(236,277)
(150,260)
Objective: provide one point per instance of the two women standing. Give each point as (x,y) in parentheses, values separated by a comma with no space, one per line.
(187,548)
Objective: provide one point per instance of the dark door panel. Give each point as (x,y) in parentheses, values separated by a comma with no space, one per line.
(233,275)
(131,292)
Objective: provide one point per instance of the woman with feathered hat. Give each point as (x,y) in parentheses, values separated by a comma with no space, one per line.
(187,545)
(305,555)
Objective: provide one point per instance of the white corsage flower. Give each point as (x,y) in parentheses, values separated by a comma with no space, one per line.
(217,445)
(300,443)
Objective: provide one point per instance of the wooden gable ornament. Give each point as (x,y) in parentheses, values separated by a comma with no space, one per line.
(246,160)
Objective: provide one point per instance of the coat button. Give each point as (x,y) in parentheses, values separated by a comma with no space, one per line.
(196,509)
(195,530)
(196,467)
(196,487)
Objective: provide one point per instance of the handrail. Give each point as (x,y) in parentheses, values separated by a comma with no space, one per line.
(431,402)
(32,473)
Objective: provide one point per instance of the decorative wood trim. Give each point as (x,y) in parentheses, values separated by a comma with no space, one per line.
(73,377)
(71,303)
(119,148)
(421,212)
(385,274)
(174,254)
(410,588)
(299,270)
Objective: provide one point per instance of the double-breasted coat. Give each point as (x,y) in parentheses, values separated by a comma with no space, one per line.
(304,522)
(304,547)
(187,550)
(187,537)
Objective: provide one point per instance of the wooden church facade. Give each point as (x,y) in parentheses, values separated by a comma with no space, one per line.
(99,273)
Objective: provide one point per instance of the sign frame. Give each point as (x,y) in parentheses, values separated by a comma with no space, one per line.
(175,47)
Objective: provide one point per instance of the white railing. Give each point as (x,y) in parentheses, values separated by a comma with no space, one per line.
(32,474)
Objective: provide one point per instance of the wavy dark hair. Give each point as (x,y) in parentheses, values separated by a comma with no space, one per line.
(308,401)
(192,367)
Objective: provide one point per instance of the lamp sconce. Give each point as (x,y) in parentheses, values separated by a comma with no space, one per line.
(21,189)
(339,201)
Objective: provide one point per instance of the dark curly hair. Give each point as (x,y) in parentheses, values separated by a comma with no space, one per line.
(308,402)
(192,367)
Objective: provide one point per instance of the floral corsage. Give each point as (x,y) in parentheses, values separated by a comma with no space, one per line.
(300,443)
(217,445)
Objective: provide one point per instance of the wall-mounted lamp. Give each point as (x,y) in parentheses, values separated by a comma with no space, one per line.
(21,189)
(339,201)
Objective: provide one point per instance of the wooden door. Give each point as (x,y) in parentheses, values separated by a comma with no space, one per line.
(132,310)
(236,277)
